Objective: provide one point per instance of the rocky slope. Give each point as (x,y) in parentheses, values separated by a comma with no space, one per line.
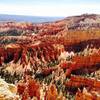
(49,53)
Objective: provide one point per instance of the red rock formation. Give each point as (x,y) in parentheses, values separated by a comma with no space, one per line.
(78,81)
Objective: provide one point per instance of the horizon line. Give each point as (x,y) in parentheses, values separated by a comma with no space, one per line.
(47,16)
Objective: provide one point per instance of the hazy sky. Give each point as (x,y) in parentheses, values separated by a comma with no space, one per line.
(49,7)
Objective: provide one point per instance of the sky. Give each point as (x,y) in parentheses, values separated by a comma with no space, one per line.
(49,7)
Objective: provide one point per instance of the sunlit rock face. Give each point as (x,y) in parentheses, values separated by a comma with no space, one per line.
(8,91)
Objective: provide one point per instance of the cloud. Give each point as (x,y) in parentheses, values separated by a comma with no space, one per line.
(49,10)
